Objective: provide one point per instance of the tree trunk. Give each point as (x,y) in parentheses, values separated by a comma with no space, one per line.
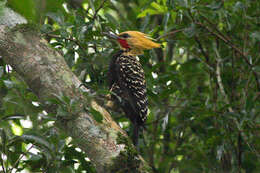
(48,76)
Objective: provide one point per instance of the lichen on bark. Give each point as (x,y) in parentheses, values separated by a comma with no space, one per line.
(46,72)
(128,160)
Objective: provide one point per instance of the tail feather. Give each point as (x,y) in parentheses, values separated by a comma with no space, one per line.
(135,137)
(136,134)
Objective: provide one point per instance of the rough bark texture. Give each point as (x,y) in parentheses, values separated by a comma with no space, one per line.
(47,74)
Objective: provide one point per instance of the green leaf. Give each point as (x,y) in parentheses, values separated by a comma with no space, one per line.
(158,7)
(61,98)
(147,12)
(37,140)
(173,16)
(57,17)
(96,115)
(92,6)
(67,169)
(13,117)
(112,20)
(155,9)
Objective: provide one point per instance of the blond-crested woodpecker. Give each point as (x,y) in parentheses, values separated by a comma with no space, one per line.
(127,78)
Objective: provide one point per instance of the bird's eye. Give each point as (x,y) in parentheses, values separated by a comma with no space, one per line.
(125,35)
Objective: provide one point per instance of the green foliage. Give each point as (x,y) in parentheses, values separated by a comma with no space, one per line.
(2,5)
(67,108)
(35,10)
(28,12)
(203,85)
(96,115)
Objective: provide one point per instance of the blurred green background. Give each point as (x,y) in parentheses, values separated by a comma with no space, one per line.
(203,84)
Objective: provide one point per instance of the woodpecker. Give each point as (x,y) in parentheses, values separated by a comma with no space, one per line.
(127,79)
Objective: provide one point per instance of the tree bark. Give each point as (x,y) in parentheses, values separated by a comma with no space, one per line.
(47,74)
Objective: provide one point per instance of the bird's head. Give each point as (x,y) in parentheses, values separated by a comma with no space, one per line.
(135,42)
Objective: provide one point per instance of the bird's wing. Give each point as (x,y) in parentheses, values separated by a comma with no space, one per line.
(132,82)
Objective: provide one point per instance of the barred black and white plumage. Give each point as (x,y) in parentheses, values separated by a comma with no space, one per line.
(127,78)
(127,81)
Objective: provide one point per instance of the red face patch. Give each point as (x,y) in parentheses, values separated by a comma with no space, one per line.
(123,43)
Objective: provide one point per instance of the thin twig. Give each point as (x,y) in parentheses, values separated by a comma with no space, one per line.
(206,55)
(215,27)
(169,33)
(179,142)
(101,6)
(162,116)
(229,43)
(20,158)
(226,41)
(210,67)
(220,84)
(67,38)
(239,152)
(75,41)
(218,73)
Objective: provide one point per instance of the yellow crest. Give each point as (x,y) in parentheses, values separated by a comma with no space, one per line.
(138,41)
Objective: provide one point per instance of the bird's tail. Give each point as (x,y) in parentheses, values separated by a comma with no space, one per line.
(136,134)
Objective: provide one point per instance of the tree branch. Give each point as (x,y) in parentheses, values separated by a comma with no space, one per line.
(239,51)
(220,84)
(101,6)
(47,74)
(169,33)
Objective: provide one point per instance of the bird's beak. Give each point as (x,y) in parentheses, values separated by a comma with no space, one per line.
(112,36)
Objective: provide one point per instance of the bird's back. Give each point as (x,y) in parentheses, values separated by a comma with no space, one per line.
(127,81)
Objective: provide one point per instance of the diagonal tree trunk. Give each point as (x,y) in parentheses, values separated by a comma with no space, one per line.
(47,74)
